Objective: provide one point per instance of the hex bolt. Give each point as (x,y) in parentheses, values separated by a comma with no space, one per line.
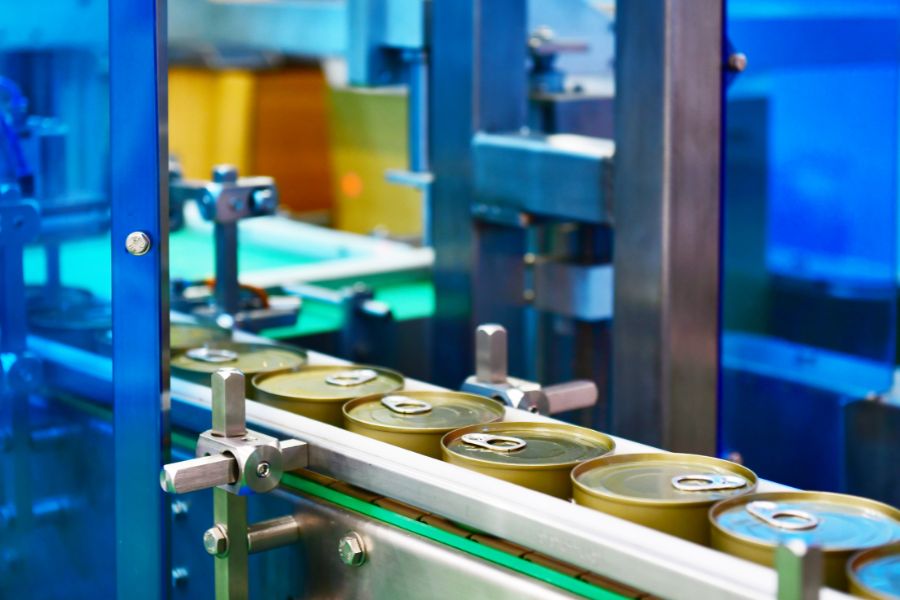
(215,540)
(138,243)
(263,469)
(180,508)
(352,550)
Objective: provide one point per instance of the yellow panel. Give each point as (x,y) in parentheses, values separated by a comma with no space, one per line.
(210,119)
(368,136)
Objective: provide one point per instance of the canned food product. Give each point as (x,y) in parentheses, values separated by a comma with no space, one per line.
(668,492)
(418,420)
(535,455)
(319,392)
(199,363)
(752,526)
(875,573)
(184,336)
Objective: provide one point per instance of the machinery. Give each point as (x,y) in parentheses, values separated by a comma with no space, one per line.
(595,249)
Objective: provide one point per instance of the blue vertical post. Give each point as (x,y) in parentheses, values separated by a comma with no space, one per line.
(137,44)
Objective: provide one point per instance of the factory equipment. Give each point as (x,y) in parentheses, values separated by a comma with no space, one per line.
(309,482)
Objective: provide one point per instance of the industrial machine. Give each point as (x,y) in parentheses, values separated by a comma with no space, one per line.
(605,241)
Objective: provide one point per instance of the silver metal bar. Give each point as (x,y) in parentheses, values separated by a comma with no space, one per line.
(491,354)
(571,395)
(636,556)
(273,533)
(230,511)
(799,571)
(228,407)
(667,218)
(199,474)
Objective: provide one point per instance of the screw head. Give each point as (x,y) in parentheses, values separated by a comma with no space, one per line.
(352,550)
(737,62)
(215,540)
(263,469)
(138,243)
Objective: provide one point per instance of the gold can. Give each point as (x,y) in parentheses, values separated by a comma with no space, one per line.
(753,526)
(535,455)
(184,336)
(319,392)
(199,363)
(668,492)
(418,420)
(875,573)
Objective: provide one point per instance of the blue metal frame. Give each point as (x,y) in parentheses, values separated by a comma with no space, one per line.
(138,141)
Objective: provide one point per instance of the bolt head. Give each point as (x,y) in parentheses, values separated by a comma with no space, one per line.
(737,62)
(352,550)
(225,174)
(263,469)
(215,540)
(138,243)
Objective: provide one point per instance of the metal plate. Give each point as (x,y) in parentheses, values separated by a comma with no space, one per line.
(546,444)
(434,411)
(876,573)
(841,522)
(249,358)
(312,383)
(664,478)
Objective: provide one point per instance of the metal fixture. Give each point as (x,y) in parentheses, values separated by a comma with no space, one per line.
(352,550)
(799,571)
(236,462)
(737,62)
(138,243)
(492,380)
(179,576)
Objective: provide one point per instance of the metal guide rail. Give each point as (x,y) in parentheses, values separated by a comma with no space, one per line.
(633,555)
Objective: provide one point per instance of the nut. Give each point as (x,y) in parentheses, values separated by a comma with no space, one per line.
(215,540)
(352,550)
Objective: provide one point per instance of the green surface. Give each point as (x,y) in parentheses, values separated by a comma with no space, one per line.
(85,263)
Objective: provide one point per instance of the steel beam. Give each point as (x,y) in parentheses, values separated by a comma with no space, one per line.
(667,214)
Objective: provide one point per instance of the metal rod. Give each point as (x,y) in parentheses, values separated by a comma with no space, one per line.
(799,571)
(417,110)
(230,510)
(273,533)
(227,288)
(198,474)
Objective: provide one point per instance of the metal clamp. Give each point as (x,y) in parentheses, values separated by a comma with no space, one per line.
(702,482)
(236,462)
(405,405)
(492,380)
(495,443)
(352,377)
(771,513)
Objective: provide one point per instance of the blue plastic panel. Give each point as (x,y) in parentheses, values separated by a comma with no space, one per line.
(810,243)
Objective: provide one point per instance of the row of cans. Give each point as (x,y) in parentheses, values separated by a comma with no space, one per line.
(706,500)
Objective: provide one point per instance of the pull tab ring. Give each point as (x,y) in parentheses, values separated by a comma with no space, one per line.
(706,482)
(405,405)
(772,514)
(496,443)
(212,355)
(351,377)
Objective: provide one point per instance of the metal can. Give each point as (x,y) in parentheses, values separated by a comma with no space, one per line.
(199,363)
(319,392)
(875,573)
(753,526)
(184,336)
(668,492)
(418,420)
(535,455)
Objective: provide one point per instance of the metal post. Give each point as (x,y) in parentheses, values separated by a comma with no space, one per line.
(230,512)
(227,285)
(667,219)
(478,83)
(799,571)
(139,198)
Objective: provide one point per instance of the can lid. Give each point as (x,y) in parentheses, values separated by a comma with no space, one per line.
(331,382)
(663,477)
(183,336)
(531,444)
(830,521)
(878,570)
(249,358)
(442,411)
